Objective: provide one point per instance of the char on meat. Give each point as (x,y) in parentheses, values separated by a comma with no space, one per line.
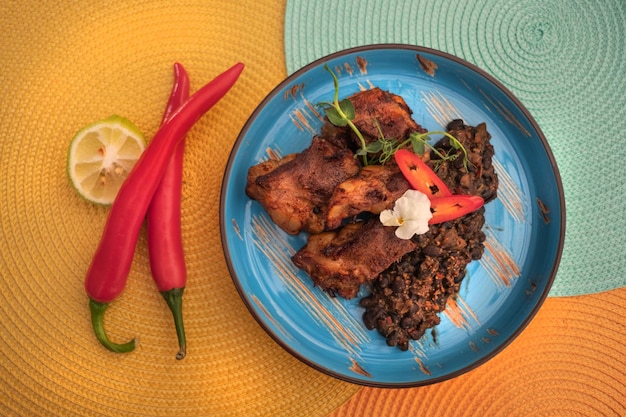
(295,191)
(374,189)
(340,261)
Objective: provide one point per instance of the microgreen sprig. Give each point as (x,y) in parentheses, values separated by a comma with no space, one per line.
(341,113)
(420,140)
(384,148)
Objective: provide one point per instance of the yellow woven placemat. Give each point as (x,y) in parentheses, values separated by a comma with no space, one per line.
(66,64)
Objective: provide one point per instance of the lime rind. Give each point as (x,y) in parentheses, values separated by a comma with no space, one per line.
(111,142)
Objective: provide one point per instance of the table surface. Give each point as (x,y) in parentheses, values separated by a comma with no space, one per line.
(68,65)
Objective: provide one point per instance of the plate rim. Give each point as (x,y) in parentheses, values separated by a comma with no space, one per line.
(417,49)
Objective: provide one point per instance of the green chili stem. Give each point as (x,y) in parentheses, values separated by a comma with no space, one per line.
(174,300)
(97,310)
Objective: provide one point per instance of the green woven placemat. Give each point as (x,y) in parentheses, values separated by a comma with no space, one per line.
(565,60)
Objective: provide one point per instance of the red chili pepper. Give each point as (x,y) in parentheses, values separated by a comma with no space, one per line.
(167,260)
(108,272)
(449,208)
(421,176)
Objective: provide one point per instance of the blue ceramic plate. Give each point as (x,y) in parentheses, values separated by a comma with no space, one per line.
(501,292)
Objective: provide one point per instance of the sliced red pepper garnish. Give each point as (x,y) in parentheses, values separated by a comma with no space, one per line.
(421,176)
(444,205)
(452,207)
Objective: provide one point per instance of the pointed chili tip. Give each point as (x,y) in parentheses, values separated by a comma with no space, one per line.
(179,68)
(97,310)
(239,66)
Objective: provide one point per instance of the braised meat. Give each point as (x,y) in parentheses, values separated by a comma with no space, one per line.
(378,109)
(295,193)
(340,261)
(374,189)
(296,190)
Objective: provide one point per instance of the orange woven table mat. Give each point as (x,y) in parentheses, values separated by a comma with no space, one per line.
(570,361)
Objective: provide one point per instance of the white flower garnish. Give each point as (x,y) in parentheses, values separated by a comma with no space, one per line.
(410,213)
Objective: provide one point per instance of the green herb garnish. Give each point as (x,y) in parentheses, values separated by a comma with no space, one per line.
(341,113)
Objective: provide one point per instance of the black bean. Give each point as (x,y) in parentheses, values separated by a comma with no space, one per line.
(398,286)
(476,253)
(367,302)
(372,316)
(486,162)
(456,124)
(407,322)
(415,333)
(392,339)
(459,163)
(460,277)
(403,344)
(488,195)
(432,250)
